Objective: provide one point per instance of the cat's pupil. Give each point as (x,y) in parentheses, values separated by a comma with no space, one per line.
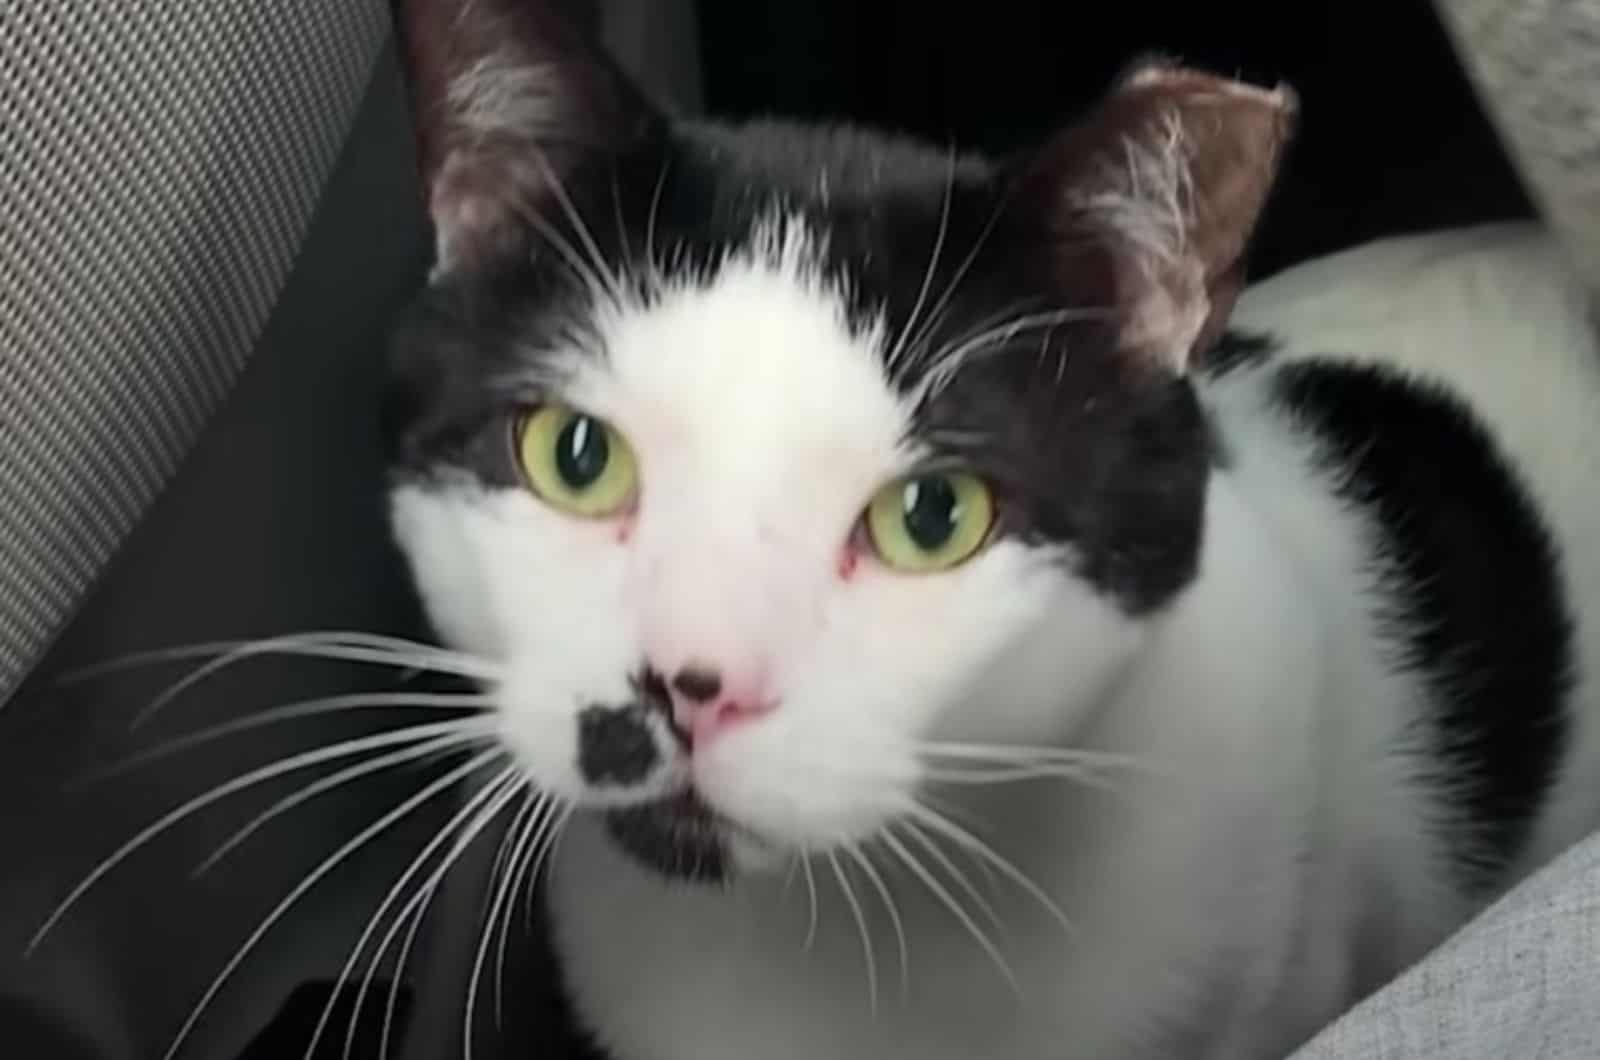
(581,452)
(931,510)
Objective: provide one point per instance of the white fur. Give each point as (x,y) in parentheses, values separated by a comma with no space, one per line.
(1267,860)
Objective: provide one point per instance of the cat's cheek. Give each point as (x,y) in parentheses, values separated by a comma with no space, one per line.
(430,525)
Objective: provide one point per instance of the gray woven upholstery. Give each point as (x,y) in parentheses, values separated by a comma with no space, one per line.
(159,162)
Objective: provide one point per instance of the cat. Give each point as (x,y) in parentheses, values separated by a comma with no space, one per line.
(959,617)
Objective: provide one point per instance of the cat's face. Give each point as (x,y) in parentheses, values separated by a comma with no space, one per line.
(773,467)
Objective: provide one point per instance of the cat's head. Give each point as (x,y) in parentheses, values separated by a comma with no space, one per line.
(775,467)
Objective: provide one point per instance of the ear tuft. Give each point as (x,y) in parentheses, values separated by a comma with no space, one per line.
(509,96)
(1154,197)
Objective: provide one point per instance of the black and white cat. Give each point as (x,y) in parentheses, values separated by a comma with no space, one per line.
(960,629)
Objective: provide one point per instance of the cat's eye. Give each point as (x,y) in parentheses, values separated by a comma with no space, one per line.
(576,462)
(930,522)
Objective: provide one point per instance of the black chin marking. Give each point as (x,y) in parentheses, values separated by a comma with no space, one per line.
(678,836)
(616,745)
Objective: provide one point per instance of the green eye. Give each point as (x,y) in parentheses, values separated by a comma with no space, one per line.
(576,462)
(930,522)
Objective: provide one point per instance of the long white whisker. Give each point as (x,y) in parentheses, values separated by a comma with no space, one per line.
(811,899)
(960,836)
(650,221)
(1014,774)
(424,895)
(582,228)
(861,925)
(939,891)
(497,785)
(959,275)
(289,712)
(616,214)
(298,645)
(946,362)
(332,644)
(547,848)
(507,844)
(861,858)
(450,779)
(336,780)
(597,284)
(1023,754)
(899,347)
(499,920)
(303,760)
(507,783)
(954,871)
(418,917)
(538,834)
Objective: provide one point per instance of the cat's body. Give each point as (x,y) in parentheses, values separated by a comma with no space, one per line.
(1300,854)
(831,512)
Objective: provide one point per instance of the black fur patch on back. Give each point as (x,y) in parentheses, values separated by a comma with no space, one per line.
(1236,350)
(1475,603)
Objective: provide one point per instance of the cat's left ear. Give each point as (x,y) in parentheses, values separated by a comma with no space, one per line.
(1151,201)
(510,97)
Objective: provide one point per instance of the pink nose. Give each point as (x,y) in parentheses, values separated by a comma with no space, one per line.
(705,704)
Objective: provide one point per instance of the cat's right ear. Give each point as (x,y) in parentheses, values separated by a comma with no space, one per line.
(509,97)
(1151,199)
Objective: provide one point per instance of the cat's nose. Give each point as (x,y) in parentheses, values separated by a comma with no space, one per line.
(706,702)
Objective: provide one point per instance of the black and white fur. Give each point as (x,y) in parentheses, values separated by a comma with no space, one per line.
(1311,600)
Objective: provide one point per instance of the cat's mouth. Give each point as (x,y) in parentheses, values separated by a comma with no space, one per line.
(678,835)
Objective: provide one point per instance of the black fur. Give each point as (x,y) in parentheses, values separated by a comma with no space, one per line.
(1234,351)
(1087,446)
(1475,602)
(616,745)
(678,837)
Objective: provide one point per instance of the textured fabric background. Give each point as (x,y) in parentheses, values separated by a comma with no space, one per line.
(159,162)
(1522,982)
(1536,64)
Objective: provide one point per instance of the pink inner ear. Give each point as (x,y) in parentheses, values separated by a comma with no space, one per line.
(1170,174)
(509,95)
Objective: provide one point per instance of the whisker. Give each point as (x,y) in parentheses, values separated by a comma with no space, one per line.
(811,898)
(940,892)
(650,220)
(580,226)
(616,216)
(503,849)
(1022,754)
(861,926)
(496,791)
(398,649)
(416,907)
(428,792)
(861,858)
(1014,774)
(298,646)
(581,270)
(523,878)
(290,712)
(546,851)
(336,780)
(898,348)
(303,760)
(954,871)
(961,837)
(391,1004)
(499,913)
(950,359)
(960,273)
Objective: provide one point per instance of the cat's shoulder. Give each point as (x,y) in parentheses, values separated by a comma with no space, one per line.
(1471,307)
